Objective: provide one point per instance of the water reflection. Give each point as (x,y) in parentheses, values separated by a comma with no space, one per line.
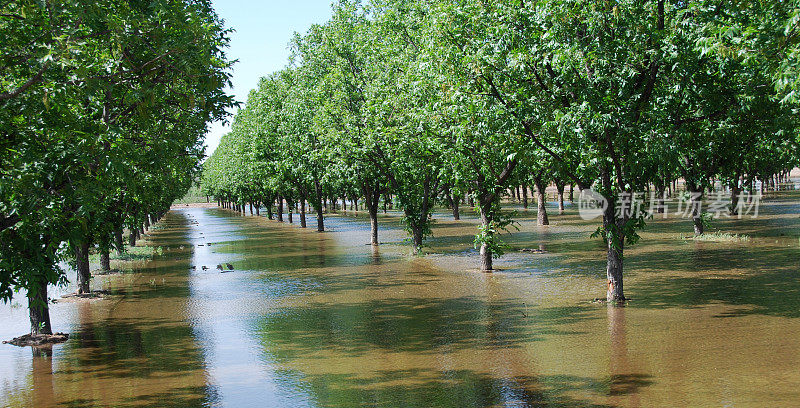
(327,320)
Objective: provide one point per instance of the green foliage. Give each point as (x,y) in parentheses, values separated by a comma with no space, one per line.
(489,233)
(423,99)
(103,108)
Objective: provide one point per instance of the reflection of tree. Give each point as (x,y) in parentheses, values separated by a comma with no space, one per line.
(624,381)
(138,350)
(413,352)
(42,374)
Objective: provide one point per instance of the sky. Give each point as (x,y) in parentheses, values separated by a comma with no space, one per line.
(260,42)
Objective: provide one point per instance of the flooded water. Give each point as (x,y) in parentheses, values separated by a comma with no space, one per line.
(323,320)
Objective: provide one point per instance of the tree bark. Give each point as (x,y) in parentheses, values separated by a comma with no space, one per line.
(416,236)
(372,197)
(735,192)
(486,252)
(541,214)
(280,209)
(615,292)
(118,241)
(105,260)
(82,262)
(132,239)
(302,212)
(320,220)
(525,196)
(661,191)
(38,309)
(456,211)
(696,202)
(560,188)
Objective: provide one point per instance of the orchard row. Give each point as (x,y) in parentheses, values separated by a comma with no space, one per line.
(103,108)
(429,101)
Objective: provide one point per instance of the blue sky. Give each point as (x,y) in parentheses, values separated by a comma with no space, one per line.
(260,42)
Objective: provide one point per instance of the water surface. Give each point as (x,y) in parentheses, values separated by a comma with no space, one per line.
(323,320)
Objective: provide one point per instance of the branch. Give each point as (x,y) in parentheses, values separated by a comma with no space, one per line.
(35,79)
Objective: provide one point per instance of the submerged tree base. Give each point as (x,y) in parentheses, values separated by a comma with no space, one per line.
(106,272)
(95,294)
(533,250)
(38,339)
(613,302)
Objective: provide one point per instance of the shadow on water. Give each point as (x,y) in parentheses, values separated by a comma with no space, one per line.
(453,388)
(322,334)
(768,293)
(138,350)
(412,325)
(199,396)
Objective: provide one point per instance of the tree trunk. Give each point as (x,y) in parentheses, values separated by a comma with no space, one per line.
(456,211)
(486,252)
(302,212)
(251,208)
(146,223)
(132,239)
(416,235)
(118,241)
(290,210)
(372,197)
(280,209)
(38,308)
(615,292)
(661,191)
(735,192)
(696,202)
(320,220)
(541,214)
(258,208)
(82,261)
(105,260)
(571,193)
(560,188)
(525,196)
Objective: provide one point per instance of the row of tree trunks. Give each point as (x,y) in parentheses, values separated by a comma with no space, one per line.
(38,309)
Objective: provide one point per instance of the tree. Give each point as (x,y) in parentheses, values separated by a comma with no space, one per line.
(91,103)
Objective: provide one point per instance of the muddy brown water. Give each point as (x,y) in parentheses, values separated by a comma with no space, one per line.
(323,320)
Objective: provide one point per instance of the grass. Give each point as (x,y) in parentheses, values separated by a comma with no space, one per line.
(719,236)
